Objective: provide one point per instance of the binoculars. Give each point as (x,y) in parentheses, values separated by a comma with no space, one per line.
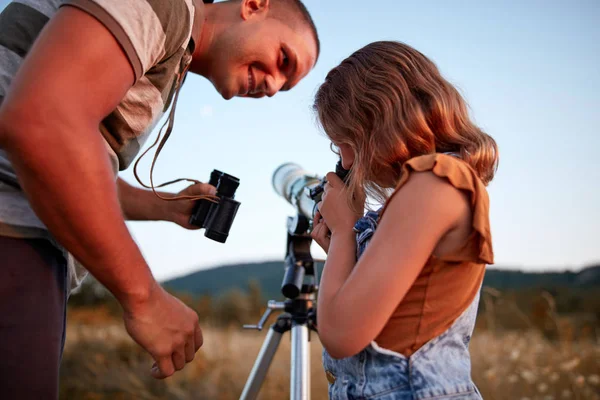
(217,217)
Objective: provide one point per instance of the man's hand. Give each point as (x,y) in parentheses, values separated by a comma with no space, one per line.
(179,211)
(166,328)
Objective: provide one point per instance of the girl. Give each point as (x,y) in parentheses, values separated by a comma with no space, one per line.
(400,288)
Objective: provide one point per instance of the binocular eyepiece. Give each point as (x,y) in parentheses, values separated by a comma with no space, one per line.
(217,218)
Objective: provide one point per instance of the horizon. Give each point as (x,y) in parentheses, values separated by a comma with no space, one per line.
(503,268)
(528,72)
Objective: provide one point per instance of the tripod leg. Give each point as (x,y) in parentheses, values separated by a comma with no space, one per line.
(300,379)
(261,365)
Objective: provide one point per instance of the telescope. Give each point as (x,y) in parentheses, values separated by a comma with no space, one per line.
(299,286)
(302,189)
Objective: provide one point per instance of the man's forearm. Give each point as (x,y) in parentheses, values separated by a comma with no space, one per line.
(141,204)
(73,191)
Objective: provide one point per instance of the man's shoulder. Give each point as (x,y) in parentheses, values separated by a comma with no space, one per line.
(149,31)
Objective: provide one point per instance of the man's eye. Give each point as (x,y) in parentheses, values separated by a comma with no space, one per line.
(284,58)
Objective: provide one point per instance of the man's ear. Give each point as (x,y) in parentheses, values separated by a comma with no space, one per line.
(254,8)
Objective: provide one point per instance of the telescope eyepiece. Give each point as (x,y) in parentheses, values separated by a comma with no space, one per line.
(317,191)
(341,172)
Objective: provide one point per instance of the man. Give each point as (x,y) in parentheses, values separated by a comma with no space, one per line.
(82,82)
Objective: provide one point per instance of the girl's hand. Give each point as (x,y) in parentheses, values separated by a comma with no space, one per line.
(320,232)
(334,207)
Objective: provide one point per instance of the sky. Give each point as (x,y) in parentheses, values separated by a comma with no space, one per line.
(529,72)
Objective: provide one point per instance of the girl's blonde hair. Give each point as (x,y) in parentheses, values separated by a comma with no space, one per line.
(389,103)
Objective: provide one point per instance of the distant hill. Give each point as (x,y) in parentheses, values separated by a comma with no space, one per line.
(217,281)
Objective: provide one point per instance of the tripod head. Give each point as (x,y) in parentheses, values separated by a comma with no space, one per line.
(300,272)
(299,284)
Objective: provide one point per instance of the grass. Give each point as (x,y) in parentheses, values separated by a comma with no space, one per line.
(101,362)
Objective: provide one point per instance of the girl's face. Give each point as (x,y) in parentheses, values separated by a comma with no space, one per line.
(347,155)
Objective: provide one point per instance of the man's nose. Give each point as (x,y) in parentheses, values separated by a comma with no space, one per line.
(275,83)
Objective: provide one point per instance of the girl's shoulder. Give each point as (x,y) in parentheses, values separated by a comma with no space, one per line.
(448,167)
(460,175)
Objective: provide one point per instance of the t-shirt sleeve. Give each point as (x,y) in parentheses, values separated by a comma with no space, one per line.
(147,30)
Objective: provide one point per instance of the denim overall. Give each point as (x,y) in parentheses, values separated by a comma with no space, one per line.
(440,369)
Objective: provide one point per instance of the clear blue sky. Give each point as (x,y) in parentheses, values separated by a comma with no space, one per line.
(529,71)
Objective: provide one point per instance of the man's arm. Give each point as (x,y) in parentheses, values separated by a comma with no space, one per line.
(49,127)
(143,205)
(74,75)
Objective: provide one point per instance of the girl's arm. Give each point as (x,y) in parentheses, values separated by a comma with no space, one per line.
(356,301)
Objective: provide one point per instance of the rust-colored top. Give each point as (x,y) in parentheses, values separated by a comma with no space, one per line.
(447,285)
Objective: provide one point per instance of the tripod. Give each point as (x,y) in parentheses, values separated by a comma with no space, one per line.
(299,286)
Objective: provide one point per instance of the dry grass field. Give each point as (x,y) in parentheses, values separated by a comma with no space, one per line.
(101,362)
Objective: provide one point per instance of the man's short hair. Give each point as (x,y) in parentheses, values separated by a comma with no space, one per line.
(288,11)
(300,10)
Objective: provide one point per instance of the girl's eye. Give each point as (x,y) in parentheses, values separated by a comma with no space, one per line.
(334,149)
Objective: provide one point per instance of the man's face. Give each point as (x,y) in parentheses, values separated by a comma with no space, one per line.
(259,56)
